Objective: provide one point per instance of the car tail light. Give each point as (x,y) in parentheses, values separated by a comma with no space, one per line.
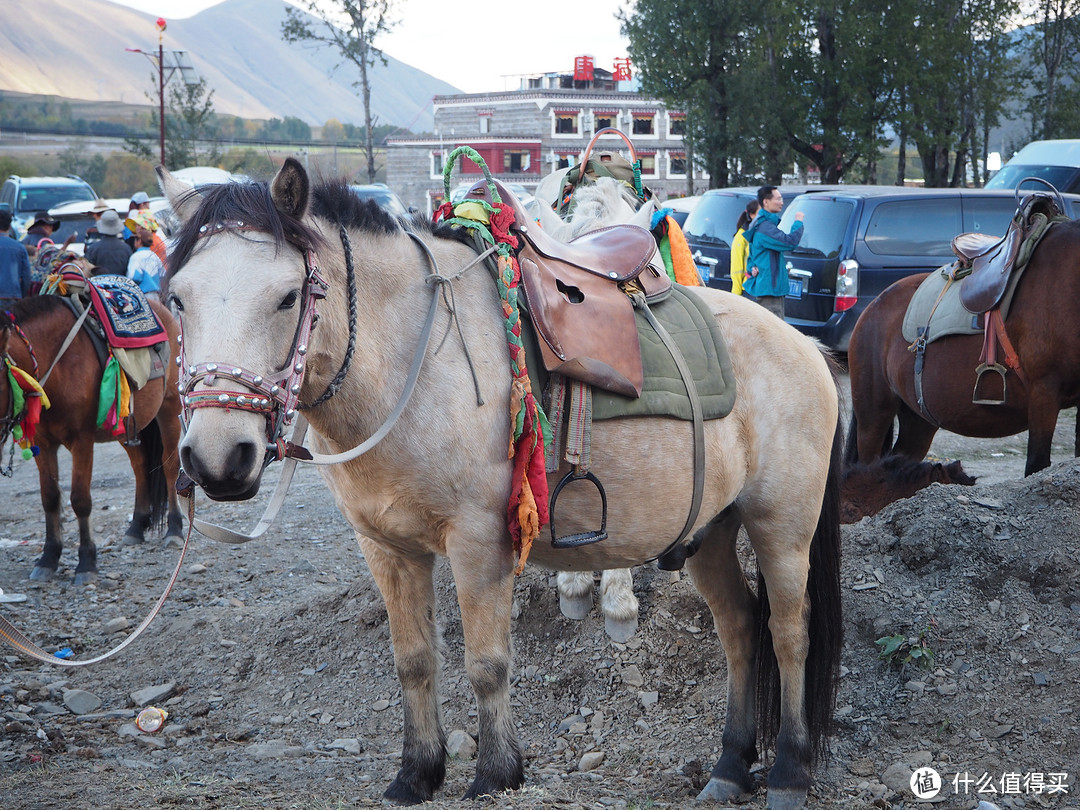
(847,285)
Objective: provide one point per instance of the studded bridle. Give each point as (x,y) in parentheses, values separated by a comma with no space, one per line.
(276,396)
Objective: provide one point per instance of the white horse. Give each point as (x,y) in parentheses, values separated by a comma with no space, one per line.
(436,480)
(605,202)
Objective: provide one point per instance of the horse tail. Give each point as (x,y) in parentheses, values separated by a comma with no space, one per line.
(822,673)
(851,446)
(156,483)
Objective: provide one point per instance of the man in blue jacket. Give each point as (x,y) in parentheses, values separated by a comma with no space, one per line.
(14,265)
(766,277)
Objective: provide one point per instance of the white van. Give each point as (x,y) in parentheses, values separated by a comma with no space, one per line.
(1057,162)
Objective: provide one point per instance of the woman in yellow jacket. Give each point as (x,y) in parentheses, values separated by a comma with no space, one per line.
(740,247)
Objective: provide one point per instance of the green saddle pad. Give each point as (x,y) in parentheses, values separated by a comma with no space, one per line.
(949,317)
(692,327)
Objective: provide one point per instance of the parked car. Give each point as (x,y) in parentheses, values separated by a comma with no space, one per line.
(681,207)
(1057,162)
(710,227)
(860,239)
(384,196)
(29,195)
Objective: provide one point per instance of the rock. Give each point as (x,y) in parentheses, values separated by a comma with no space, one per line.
(631,676)
(275,749)
(116,625)
(897,778)
(649,699)
(153,694)
(460,744)
(591,761)
(79,701)
(861,767)
(350,745)
(196,568)
(380,705)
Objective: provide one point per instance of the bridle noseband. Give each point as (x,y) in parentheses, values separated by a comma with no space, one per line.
(276,396)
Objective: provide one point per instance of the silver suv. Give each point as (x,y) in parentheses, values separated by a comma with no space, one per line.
(28,195)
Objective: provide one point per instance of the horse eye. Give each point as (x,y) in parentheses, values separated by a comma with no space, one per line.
(289,301)
(174,303)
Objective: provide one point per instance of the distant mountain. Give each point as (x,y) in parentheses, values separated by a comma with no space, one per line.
(76,49)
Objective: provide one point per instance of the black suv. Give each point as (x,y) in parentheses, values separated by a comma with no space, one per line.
(30,195)
(711,225)
(859,240)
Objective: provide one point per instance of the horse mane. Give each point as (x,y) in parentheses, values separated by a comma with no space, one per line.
(331,200)
(29,308)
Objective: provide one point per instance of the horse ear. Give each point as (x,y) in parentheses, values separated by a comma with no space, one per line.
(184,199)
(643,216)
(290,189)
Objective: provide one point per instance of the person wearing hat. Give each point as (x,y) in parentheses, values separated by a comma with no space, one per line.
(144,267)
(92,233)
(142,218)
(41,230)
(15,278)
(109,253)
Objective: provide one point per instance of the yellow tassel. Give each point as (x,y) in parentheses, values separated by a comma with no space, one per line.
(123,407)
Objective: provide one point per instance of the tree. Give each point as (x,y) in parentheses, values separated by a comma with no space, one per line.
(191,122)
(362,22)
(1054,41)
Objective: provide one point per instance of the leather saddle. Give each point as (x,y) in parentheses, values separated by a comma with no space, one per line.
(578,296)
(988,262)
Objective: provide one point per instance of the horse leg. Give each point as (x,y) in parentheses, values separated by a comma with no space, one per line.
(169,426)
(82,469)
(618,603)
(49,482)
(575,593)
(786,586)
(915,435)
(485,590)
(716,572)
(1043,409)
(407,588)
(140,515)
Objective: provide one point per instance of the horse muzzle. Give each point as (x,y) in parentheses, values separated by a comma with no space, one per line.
(227,469)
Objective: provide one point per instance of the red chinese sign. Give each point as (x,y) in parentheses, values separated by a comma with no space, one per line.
(622,69)
(583,68)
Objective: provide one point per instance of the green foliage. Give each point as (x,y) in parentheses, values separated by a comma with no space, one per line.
(899,650)
(252,162)
(287,130)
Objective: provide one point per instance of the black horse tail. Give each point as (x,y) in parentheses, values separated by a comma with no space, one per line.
(822,672)
(851,446)
(156,483)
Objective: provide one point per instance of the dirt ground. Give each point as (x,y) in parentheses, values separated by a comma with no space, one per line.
(274,662)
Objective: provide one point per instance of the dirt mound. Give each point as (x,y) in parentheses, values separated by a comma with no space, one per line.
(274,662)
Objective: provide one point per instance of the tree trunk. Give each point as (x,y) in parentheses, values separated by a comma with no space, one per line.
(901,160)
(369,137)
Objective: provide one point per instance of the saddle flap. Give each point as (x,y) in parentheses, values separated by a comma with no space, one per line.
(969,246)
(990,272)
(586,324)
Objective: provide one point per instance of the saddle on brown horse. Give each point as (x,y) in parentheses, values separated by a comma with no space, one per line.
(987,267)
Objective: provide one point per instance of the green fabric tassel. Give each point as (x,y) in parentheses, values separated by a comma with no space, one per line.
(110,386)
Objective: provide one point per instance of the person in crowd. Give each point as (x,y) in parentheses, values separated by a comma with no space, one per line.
(109,253)
(766,280)
(15,279)
(142,218)
(92,233)
(41,230)
(140,201)
(144,267)
(740,247)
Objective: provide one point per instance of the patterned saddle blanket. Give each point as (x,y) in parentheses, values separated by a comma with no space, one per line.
(124,313)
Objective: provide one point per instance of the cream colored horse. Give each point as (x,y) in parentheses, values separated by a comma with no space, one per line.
(438,482)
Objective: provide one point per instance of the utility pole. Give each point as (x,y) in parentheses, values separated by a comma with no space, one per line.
(159,60)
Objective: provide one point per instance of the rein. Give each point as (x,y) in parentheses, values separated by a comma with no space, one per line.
(281,414)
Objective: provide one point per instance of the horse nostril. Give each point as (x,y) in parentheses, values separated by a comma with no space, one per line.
(190,464)
(241,461)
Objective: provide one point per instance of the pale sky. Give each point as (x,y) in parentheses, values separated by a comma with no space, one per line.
(481,47)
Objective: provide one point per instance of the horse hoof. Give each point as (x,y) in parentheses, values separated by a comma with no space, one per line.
(786,799)
(131,540)
(85,578)
(620,630)
(575,607)
(40,574)
(721,790)
(173,541)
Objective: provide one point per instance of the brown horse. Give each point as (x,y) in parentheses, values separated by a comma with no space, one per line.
(1041,325)
(869,488)
(73,388)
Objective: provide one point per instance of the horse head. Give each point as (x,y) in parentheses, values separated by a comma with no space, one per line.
(241,272)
